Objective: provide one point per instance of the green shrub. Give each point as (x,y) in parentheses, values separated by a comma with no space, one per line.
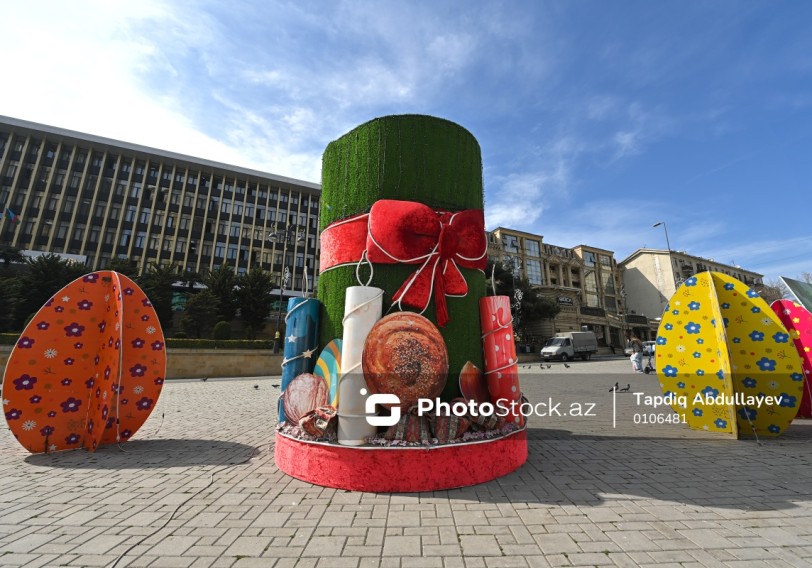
(176,343)
(9,338)
(180,335)
(182,342)
(222,330)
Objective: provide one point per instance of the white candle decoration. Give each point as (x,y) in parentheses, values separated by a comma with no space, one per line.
(363,307)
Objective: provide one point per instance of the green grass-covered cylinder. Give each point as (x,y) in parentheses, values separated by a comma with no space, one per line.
(412,158)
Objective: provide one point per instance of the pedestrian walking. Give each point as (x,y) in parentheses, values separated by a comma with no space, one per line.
(633,342)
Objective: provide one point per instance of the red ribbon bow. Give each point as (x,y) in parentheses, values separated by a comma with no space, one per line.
(405,232)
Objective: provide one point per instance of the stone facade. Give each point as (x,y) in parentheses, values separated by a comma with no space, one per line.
(584,280)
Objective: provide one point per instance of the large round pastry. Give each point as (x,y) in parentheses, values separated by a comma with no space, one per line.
(405,355)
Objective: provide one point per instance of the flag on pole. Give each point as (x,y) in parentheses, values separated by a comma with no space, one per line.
(13,217)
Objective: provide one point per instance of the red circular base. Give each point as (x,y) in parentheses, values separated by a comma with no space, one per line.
(400,470)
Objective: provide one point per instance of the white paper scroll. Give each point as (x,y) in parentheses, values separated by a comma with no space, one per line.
(363,307)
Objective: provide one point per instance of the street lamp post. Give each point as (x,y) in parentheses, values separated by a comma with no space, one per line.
(287,236)
(668,244)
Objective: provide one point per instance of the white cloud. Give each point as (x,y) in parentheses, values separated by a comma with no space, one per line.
(79,65)
(452,52)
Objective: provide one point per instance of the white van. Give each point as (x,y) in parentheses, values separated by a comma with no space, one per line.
(566,346)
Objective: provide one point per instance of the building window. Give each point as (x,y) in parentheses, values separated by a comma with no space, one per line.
(605,260)
(589,258)
(512,264)
(531,247)
(510,243)
(591,282)
(608,282)
(534,272)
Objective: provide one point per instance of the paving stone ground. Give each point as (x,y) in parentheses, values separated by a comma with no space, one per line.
(198,487)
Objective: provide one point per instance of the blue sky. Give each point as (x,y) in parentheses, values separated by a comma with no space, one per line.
(596,119)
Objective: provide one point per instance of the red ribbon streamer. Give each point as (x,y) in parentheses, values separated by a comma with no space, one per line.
(406,232)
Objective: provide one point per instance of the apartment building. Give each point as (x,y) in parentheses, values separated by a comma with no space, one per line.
(97,199)
(584,280)
(651,276)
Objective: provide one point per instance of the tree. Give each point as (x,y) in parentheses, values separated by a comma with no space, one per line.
(190,278)
(10,299)
(157,285)
(534,306)
(43,277)
(200,314)
(772,290)
(123,266)
(9,254)
(222,282)
(254,296)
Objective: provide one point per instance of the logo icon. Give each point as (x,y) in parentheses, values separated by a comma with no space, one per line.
(375,399)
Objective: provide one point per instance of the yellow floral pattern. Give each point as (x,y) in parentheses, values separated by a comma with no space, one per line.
(720,351)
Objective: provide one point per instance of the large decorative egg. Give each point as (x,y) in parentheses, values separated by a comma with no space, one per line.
(798,322)
(725,360)
(88,369)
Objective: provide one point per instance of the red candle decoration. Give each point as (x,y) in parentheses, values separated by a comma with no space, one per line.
(499,348)
(798,322)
